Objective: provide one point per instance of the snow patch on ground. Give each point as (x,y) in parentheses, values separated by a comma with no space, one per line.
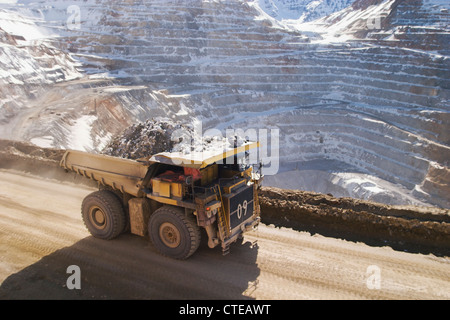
(43,142)
(301,10)
(340,180)
(23,25)
(80,137)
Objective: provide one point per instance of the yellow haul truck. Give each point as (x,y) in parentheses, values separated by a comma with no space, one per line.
(170,196)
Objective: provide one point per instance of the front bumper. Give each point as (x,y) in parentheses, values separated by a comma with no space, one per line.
(248,225)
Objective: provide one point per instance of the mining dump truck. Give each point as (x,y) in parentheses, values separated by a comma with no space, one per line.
(169,197)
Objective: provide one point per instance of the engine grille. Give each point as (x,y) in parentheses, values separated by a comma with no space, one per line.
(239,205)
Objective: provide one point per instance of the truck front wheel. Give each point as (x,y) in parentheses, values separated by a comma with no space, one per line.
(103,214)
(173,233)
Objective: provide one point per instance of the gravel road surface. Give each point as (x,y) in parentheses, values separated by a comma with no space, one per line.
(42,235)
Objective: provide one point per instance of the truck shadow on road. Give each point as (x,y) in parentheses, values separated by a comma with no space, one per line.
(130,268)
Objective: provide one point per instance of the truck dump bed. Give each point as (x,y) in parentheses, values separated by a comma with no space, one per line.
(122,174)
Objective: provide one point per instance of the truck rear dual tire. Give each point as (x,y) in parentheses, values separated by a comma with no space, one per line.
(103,214)
(173,233)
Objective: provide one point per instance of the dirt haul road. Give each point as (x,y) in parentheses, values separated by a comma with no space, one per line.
(41,235)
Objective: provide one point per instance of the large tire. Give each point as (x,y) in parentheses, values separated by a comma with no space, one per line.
(173,233)
(103,214)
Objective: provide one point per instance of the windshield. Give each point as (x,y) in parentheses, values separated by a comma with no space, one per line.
(239,162)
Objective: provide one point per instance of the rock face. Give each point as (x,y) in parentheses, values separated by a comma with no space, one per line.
(366,86)
(302,10)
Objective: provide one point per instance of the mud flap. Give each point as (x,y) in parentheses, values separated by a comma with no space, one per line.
(140,210)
